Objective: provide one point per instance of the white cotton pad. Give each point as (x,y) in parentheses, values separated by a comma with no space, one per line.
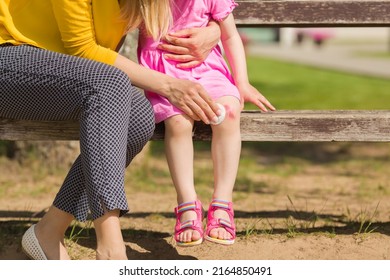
(221,117)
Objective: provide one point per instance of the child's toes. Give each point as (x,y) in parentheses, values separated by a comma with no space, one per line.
(195,235)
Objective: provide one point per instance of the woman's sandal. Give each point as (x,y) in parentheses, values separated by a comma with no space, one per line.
(190,224)
(213,222)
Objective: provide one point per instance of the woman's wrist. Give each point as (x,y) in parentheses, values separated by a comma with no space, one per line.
(166,86)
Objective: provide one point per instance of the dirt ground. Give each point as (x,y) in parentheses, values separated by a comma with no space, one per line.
(324,211)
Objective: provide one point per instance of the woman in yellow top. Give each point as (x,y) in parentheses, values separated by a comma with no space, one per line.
(58,61)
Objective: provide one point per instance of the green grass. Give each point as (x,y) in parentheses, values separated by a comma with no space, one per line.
(290,86)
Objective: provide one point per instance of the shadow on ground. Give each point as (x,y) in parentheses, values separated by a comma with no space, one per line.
(158,245)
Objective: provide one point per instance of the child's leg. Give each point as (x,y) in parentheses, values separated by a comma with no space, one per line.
(180,157)
(226,149)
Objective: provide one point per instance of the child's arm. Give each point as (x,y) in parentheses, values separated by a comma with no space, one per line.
(235,55)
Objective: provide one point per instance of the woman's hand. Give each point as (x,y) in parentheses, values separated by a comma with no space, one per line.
(250,94)
(191,46)
(193,100)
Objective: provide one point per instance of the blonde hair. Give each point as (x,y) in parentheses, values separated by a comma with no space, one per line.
(154,14)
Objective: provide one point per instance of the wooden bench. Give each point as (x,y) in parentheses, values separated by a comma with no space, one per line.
(297,125)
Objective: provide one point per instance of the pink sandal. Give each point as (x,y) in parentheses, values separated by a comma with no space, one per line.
(213,223)
(190,224)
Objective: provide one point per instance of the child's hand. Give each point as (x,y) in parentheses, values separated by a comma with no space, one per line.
(250,94)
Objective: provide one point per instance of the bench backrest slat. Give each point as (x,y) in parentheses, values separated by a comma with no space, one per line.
(307,13)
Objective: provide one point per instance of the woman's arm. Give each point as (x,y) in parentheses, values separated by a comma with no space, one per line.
(191,46)
(77,26)
(235,55)
(190,97)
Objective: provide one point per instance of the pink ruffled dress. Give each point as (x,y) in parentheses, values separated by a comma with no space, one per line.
(213,74)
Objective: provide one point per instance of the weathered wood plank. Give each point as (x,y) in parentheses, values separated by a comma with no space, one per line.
(317,126)
(300,13)
(300,126)
(38,130)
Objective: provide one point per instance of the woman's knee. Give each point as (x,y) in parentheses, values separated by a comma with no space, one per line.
(142,111)
(141,124)
(114,85)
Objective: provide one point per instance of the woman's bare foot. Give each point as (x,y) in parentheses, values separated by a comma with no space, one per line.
(110,244)
(52,244)
(112,255)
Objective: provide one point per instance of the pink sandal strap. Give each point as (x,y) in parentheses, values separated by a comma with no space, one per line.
(213,222)
(189,224)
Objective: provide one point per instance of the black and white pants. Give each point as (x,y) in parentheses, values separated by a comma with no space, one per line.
(116,120)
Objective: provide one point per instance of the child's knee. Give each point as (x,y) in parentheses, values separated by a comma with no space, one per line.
(233,113)
(179,125)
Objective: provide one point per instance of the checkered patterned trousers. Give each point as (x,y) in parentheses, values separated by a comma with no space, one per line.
(116,120)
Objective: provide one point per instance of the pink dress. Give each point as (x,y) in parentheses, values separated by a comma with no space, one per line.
(213,74)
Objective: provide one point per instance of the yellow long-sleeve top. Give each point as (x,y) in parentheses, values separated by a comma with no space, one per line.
(86,28)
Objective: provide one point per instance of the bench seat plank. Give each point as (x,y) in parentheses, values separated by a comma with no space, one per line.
(303,125)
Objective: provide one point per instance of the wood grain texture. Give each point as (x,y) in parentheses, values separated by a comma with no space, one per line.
(300,13)
(294,126)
